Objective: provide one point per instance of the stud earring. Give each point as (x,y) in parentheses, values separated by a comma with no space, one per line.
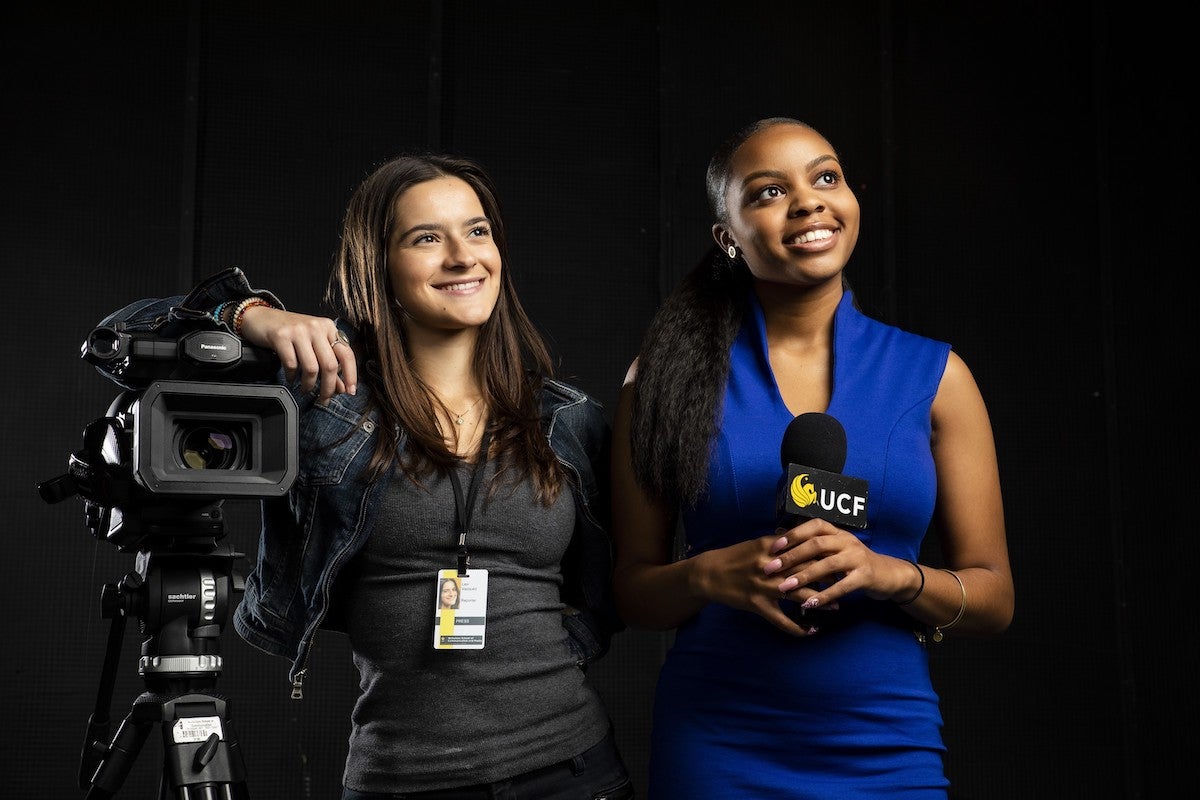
(732,251)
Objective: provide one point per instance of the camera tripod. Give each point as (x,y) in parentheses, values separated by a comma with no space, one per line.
(182,592)
(153,473)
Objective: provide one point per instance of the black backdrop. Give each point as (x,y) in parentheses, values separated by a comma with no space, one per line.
(1019,169)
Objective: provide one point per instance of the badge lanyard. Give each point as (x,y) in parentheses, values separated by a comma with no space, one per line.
(464,509)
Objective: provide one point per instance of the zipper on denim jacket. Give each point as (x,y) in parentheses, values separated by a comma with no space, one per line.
(298,685)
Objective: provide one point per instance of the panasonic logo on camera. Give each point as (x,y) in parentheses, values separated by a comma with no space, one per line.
(204,346)
(181,597)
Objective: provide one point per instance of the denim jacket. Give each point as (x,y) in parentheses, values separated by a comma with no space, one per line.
(308,537)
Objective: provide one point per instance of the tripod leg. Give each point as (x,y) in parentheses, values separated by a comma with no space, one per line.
(95,743)
(122,752)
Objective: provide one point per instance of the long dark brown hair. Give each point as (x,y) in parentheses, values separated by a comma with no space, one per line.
(677,401)
(511,358)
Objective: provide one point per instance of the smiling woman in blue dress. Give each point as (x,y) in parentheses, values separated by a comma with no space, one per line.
(755,700)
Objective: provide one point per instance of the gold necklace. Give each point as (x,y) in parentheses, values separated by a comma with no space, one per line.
(460,419)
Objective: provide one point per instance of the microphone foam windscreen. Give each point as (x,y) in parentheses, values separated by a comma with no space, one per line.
(814,440)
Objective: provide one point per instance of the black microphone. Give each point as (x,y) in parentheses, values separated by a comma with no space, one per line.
(812,455)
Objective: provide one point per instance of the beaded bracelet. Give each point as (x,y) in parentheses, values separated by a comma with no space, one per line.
(939,630)
(240,311)
(225,311)
(220,309)
(920,588)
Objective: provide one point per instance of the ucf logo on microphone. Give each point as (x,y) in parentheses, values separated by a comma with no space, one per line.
(830,496)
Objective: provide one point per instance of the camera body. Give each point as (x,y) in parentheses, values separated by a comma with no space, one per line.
(188,433)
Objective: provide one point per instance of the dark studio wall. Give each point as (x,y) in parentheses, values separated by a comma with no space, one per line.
(1018,168)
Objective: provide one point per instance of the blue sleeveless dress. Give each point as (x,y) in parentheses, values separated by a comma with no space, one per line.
(743,710)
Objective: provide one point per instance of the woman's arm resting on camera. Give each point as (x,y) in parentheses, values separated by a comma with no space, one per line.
(308,347)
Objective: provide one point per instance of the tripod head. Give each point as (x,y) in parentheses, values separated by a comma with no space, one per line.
(182,591)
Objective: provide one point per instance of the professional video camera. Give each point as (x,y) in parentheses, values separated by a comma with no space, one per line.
(189,431)
(164,456)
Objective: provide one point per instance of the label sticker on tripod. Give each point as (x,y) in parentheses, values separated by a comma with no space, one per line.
(460,610)
(196,729)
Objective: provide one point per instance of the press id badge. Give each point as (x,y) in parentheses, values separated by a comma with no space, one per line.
(460,610)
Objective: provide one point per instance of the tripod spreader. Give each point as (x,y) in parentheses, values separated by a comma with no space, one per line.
(201,753)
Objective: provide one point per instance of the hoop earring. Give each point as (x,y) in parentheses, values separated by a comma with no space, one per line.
(732,251)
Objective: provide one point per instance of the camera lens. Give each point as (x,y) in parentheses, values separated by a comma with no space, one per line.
(211,448)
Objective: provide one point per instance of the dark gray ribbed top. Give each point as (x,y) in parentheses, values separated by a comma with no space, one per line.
(428,719)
